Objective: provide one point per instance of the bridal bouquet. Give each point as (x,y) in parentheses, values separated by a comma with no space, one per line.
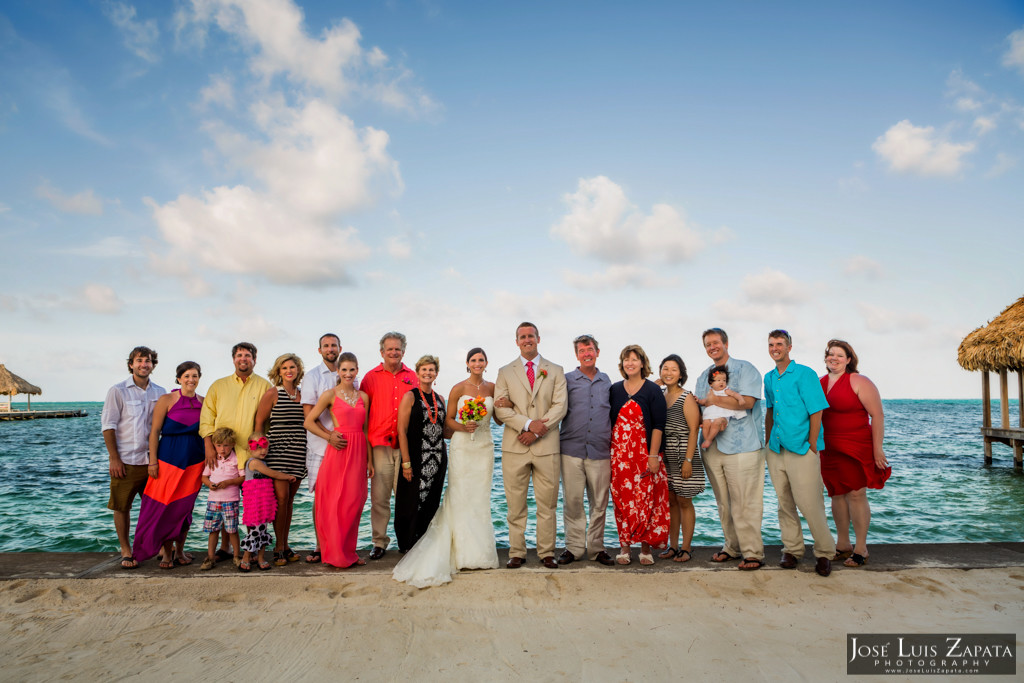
(473,410)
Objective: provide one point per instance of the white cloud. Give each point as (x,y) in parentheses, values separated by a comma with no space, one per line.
(883,320)
(603,223)
(618,276)
(139,36)
(220,91)
(107,247)
(1004,162)
(334,64)
(1014,56)
(238,230)
(773,286)
(58,97)
(84,202)
(913,149)
(967,104)
(101,299)
(863,266)
(984,124)
(397,248)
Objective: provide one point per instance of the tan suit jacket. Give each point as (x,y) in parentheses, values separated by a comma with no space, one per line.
(547,401)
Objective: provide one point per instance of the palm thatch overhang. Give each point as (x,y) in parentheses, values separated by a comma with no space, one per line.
(11,384)
(998,346)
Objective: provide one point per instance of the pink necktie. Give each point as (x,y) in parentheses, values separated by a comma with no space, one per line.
(529,373)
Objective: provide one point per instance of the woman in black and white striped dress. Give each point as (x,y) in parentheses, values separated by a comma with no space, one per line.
(682,457)
(281,407)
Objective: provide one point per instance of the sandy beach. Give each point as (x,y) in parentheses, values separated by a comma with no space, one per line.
(577,623)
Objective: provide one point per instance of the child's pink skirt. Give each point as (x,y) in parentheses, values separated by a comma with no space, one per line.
(259,504)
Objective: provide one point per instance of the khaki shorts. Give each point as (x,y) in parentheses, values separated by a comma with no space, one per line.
(123,491)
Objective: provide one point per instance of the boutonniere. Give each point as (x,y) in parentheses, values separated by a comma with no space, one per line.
(407,380)
(543,372)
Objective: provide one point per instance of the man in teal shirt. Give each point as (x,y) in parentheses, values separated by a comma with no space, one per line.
(792,424)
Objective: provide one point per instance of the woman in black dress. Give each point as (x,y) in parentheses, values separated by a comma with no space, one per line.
(421,433)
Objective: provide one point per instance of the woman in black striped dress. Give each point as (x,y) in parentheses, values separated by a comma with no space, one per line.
(682,457)
(282,409)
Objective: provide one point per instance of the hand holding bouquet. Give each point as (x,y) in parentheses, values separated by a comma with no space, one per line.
(472,410)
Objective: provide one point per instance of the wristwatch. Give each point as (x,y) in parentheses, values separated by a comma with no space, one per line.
(406,465)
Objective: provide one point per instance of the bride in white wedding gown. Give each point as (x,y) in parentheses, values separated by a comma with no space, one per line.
(461,535)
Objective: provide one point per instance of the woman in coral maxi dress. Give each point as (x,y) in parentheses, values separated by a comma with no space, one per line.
(341,485)
(853,459)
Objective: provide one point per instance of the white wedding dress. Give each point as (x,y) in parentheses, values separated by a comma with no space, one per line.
(461,535)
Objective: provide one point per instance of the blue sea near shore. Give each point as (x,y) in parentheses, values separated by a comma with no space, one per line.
(54,485)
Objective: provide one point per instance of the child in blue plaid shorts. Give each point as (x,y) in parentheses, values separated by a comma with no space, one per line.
(222,504)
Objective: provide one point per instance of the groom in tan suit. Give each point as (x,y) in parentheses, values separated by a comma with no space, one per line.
(534,394)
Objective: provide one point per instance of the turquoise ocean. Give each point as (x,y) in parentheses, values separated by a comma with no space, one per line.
(54,486)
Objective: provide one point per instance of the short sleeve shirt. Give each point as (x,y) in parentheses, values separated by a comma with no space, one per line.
(226,469)
(793,396)
(586,430)
(385,391)
(314,385)
(744,434)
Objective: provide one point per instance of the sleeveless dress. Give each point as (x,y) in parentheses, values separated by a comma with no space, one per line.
(167,502)
(259,508)
(341,487)
(461,535)
(848,459)
(677,439)
(641,500)
(287,436)
(416,501)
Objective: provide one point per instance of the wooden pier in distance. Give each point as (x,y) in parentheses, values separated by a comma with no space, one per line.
(39,414)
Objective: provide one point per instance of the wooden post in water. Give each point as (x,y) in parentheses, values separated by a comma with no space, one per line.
(986,417)
(1004,400)
(1018,446)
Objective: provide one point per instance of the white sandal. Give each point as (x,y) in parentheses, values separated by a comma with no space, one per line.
(646,558)
(622,558)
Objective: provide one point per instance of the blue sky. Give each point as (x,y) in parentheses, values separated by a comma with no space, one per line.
(190,174)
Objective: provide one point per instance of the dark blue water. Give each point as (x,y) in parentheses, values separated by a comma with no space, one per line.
(54,485)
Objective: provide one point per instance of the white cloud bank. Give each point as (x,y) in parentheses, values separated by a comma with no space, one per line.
(920,150)
(1014,56)
(139,36)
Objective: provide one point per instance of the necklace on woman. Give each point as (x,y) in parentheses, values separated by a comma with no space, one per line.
(475,384)
(291,395)
(348,398)
(625,385)
(432,415)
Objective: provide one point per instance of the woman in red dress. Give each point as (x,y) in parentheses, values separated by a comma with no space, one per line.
(639,483)
(853,459)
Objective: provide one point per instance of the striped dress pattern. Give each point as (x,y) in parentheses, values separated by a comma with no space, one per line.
(287,436)
(677,437)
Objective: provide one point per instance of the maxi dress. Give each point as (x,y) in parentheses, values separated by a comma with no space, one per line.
(341,487)
(641,499)
(848,459)
(416,501)
(461,535)
(167,502)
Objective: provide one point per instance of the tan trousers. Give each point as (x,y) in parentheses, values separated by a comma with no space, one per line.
(738,482)
(516,469)
(386,468)
(798,485)
(594,477)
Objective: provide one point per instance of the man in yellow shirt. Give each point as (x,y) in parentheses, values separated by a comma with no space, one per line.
(231,402)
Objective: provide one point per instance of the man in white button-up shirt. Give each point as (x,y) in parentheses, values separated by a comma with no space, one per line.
(126,422)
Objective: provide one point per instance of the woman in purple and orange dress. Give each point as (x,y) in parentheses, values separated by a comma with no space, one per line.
(853,459)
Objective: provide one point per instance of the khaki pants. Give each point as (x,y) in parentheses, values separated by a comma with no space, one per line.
(516,469)
(738,482)
(386,468)
(594,477)
(798,485)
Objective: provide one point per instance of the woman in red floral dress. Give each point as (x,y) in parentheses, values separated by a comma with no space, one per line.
(639,481)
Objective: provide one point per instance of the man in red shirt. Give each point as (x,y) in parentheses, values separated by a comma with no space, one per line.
(385,385)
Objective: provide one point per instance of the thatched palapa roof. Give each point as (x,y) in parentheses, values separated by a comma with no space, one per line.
(998,345)
(11,384)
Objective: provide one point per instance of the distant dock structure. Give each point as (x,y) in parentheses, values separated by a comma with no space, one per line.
(999,347)
(11,385)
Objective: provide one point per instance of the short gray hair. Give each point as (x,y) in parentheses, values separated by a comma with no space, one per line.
(393,335)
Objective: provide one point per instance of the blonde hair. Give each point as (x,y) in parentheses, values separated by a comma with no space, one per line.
(223,435)
(428,360)
(275,371)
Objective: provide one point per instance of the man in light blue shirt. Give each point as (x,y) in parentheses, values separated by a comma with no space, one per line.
(793,426)
(735,460)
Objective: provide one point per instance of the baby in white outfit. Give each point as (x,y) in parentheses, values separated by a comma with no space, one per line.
(716,418)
